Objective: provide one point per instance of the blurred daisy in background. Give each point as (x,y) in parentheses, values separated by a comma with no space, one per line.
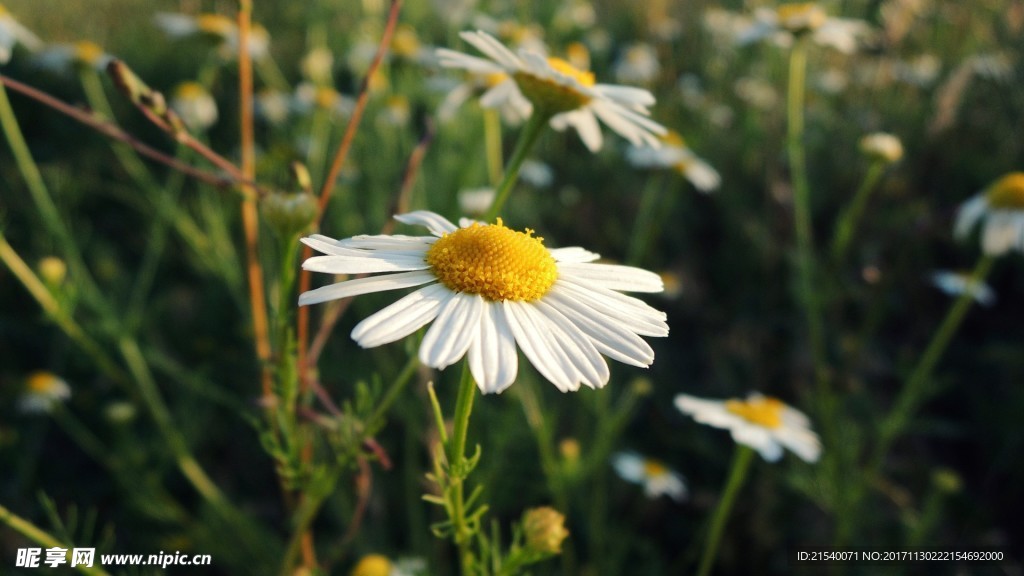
(475,201)
(65,57)
(12,33)
(490,289)
(553,85)
(310,97)
(273,106)
(656,478)
(638,64)
(959,283)
(221,29)
(787,21)
(380,565)
(195,105)
(763,423)
(675,155)
(999,210)
(43,391)
(536,173)
(882,147)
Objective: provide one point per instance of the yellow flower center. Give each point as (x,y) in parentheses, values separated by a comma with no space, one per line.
(802,17)
(1008,192)
(551,96)
(673,139)
(763,411)
(494,261)
(653,468)
(45,384)
(405,43)
(88,52)
(215,24)
(372,565)
(190,91)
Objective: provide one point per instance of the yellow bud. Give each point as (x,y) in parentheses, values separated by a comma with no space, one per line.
(372,565)
(544,529)
(53,270)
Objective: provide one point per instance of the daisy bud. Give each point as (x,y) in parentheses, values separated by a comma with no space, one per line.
(289,214)
(882,147)
(544,528)
(53,270)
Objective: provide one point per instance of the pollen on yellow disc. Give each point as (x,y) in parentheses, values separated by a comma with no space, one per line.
(564,67)
(1008,192)
(653,468)
(42,382)
(372,565)
(764,411)
(494,261)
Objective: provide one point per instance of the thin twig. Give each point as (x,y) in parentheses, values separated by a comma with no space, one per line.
(111,130)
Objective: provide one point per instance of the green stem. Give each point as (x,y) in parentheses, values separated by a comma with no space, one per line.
(492,138)
(527,138)
(740,465)
(644,228)
(916,388)
(394,391)
(457,462)
(850,217)
(802,214)
(43,538)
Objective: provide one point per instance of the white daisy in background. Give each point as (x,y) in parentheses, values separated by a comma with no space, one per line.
(763,423)
(536,173)
(195,105)
(64,57)
(959,283)
(221,29)
(558,88)
(476,201)
(1000,210)
(273,106)
(882,147)
(489,289)
(656,478)
(43,391)
(638,64)
(494,91)
(12,33)
(675,155)
(309,97)
(786,21)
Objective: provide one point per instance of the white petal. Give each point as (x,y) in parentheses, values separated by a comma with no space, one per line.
(702,175)
(630,466)
(452,59)
(632,313)
(610,338)
(589,363)
(625,95)
(968,214)
(366,263)
(543,354)
(456,326)
(614,277)
(1000,232)
(437,224)
(759,439)
(634,127)
(387,242)
(586,126)
(573,254)
(402,318)
(365,286)
(493,357)
(801,441)
(493,49)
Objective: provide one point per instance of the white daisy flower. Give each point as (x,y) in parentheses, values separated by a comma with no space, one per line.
(13,33)
(219,27)
(43,391)
(675,154)
(959,283)
(195,105)
(489,289)
(558,88)
(786,21)
(64,57)
(765,424)
(656,478)
(476,200)
(1000,209)
(638,64)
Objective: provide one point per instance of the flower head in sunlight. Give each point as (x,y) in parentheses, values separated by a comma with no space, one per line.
(195,105)
(882,147)
(43,391)
(788,21)
(544,530)
(380,565)
(221,29)
(674,154)
(959,283)
(12,33)
(764,423)
(490,289)
(1000,211)
(557,88)
(656,478)
(63,57)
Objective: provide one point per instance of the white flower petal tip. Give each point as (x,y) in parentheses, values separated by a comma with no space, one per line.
(563,311)
(763,423)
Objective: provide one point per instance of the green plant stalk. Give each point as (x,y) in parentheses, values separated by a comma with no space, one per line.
(457,461)
(42,537)
(916,388)
(43,201)
(397,386)
(855,210)
(740,466)
(644,228)
(527,139)
(802,214)
(492,139)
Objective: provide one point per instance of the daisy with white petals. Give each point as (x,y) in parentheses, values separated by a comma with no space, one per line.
(676,155)
(960,283)
(763,423)
(1000,211)
(787,21)
(657,478)
(559,90)
(489,289)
